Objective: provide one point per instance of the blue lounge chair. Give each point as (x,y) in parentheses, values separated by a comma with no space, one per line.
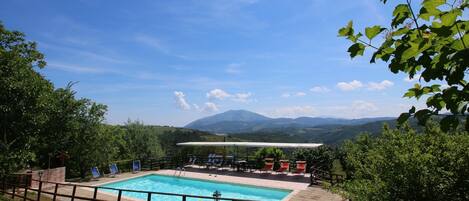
(136,167)
(113,169)
(210,159)
(95,172)
(192,161)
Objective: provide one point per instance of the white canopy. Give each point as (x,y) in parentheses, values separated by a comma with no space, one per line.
(251,144)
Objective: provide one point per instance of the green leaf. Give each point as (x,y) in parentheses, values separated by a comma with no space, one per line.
(400,13)
(373,31)
(448,122)
(416,47)
(449,18)
(426,13)
(458,43)
(423,115)
(403,118)
(347,30)
(432,4)
(356,49)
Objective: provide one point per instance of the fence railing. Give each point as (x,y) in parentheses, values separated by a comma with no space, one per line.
(22,190)
(317,174)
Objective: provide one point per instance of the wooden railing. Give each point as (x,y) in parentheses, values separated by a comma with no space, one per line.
(317,175)
(21,191)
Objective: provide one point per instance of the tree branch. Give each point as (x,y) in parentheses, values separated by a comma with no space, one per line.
(415,19)
(367,44)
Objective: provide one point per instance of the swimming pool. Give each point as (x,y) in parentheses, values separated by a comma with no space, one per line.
(181,185)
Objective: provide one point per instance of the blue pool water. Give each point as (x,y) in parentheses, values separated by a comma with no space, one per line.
(179,185)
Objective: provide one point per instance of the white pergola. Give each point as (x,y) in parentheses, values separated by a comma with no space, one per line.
(251,144)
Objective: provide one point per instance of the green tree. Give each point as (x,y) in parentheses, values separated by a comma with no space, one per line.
(90,142)
(321,157)
(142,141)
(402,164)
(431,42)
(23,99)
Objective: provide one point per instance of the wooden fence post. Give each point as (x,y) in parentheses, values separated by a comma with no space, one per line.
(149,197)
(55,192)
(39,191)
(119,195)
(13,194)
(25,194)
(95,194)
(73,192)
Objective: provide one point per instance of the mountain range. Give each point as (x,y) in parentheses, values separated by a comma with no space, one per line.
(243,121)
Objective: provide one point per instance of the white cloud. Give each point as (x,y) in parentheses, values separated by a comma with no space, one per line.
(181,100)
(218,94)
(221,95)
(363,107)
(285,95)
(210,107)
(294,111)
(349,86)
(380,85)
(152,42)
(319,89)
(242,97)
(79,69)
(300,93)
(233,68)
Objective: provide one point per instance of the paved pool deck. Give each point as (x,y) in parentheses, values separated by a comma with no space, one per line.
(298,184)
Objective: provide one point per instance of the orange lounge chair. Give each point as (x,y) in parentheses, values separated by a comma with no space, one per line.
(284,166)
(300,167)
(268,165)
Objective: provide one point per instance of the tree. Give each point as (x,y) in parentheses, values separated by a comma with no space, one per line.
(432,44)
(320,158)
(402,164)
(89,142)
(24,95)
(142,141)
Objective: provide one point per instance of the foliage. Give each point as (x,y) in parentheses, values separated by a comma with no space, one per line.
(270,152)
(402,164)
(23,100)
(433,44)
(320,158)
(142,141)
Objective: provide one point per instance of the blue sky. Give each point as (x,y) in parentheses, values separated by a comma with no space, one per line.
(171,62)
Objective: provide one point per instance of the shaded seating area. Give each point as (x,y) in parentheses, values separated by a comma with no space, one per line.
(279,166)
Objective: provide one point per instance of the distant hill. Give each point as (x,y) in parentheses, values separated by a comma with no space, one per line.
(242,121)
(327,134)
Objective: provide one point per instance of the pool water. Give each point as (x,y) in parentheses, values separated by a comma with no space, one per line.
(181,185)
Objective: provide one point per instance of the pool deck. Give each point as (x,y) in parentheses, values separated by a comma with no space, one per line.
(298,184)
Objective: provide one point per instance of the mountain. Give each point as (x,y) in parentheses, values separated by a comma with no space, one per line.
(327,134)
(243,121)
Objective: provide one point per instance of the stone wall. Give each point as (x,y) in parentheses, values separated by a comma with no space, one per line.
(51,175)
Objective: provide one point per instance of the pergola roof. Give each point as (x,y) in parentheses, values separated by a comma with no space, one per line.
(251,144)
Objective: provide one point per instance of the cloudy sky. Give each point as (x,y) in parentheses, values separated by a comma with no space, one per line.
(171,62)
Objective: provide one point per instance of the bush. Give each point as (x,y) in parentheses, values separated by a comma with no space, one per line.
(404,165)
(321,157)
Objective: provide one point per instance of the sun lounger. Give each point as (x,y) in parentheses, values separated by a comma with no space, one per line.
(300,167)
(218,161)
(113,169)
(210,159)
(95,173)
(284,166)
(268,165)
(136,167)
(192,161)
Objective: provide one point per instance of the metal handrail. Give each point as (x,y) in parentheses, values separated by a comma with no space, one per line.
(55,194)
